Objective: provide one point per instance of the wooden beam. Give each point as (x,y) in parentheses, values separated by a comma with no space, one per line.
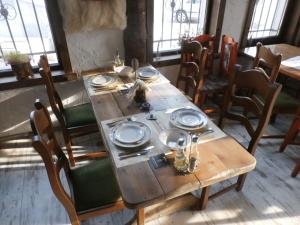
(135,34)
(220,21)
(55,20)
(247,24)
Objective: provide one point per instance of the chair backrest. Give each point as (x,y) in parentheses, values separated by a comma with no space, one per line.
(190,51)
(45,143)
(266,58)
(260,102)
(54,98)
(207,41)
(229,51)
(192,74)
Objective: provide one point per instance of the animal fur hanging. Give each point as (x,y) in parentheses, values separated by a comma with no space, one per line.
(86,16)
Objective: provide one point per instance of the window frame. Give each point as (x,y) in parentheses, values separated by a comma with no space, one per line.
(59,39)
(265,40)
(174,52)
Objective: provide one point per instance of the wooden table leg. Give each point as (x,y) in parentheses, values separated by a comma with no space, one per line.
(241,181)
(140,216)
(204,197)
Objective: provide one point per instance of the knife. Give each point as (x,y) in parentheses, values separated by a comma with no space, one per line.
(144,152)
(145,149)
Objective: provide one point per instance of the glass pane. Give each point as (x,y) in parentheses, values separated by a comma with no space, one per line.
(176,18)
(267,18)
(30,30)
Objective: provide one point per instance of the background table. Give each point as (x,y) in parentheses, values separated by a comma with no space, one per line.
(290,65)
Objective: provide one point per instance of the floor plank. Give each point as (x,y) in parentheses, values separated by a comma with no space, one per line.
(270,195)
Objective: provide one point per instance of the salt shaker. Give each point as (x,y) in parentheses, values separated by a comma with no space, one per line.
(194,155)
(180,162)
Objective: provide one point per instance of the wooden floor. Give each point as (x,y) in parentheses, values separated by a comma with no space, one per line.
(270,195)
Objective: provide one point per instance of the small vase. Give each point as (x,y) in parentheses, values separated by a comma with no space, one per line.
(22,70)
(140,96)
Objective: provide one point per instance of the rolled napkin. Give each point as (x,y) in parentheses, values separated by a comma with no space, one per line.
(124,71)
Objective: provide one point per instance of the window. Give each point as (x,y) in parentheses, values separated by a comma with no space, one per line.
(267,18)
(24,27)
(174,19)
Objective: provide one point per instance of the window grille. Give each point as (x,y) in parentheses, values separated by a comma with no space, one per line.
(267,18)
(174,19)
(24,27)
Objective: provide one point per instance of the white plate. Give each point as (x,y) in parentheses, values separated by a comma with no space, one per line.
(174,120)
(129,133)
(147,73)
(190,118)
(131,146)
(170,137)
(102,80)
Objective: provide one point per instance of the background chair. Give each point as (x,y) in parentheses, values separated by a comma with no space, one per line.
(76,120)
(260,102)
(228,58)
(93,187)
(268,91)
(266,59)
(208,41)
(290,138)
(217,84)
(193,77)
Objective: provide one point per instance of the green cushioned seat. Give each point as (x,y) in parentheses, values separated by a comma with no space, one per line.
(94,185)
(285,101)
(79,115)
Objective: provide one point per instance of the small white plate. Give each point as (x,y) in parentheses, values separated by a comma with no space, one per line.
(129,133)
(147,73)
(131,146)
(170,137)
(179,124)
(190,118)
(102,80)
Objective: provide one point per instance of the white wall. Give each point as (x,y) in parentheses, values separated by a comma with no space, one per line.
(16,105)
(89,50)
(234,18)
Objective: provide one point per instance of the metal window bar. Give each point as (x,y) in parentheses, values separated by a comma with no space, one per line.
(172,20)
(181,19)
(198,21)
(189,19)
(264,32)
(38,24)
(25,31)
(284,8)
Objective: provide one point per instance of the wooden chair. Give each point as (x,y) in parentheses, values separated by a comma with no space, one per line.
(93,187)
(76,120)
(228,58)
(266,59)
(193,77)
(190,52)
(260,103)
(208,41)
(216,85)
(290,139)
(262,107)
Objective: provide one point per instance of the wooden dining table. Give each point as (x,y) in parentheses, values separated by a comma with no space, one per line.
(141,183)
(290,65)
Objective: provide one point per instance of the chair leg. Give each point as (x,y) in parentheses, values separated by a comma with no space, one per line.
(140,216)
(240,182)
(273,118)
(204,197)
(291,135)
(296,170)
